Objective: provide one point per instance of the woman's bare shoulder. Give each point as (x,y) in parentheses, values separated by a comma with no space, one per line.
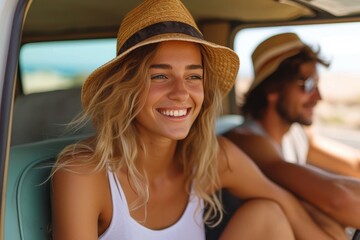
(76,170)
(78,187)
(79,196)
(80,193)
(74,173)
(77,158)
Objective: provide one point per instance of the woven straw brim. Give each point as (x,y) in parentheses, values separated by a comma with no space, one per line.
(270,68)
(225,64)
(269,54)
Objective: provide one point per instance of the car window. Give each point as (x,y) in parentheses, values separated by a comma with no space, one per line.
(338,114)
(46,66)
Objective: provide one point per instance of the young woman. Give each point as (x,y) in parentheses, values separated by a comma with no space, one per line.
(155,161)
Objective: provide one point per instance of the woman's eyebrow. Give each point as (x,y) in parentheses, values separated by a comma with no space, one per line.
(194,66)
(166,66)
(161,66)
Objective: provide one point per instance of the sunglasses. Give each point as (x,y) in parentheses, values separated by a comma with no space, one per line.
(308,85)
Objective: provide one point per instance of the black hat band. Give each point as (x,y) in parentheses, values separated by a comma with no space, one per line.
(157,29)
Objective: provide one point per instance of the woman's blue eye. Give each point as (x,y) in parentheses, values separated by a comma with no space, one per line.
(158,77)
(195,77)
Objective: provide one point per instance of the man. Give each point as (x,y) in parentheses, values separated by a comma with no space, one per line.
(277,108)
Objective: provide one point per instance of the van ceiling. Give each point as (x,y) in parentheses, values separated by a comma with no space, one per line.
(48,18)
(68,16)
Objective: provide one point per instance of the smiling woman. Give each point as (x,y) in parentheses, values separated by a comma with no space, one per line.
(176,74)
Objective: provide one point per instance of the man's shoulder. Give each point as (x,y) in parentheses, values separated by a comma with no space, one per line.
(259,148)
(249,140)
(251,127)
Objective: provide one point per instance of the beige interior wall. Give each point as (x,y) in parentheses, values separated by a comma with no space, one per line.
(219,32)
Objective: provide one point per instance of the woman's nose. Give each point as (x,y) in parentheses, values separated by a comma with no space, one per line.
(179,90)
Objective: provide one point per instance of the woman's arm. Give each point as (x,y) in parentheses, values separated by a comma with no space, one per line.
(76,205)
(243,179)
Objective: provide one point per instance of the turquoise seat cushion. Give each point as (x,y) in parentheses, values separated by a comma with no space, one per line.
(27,211)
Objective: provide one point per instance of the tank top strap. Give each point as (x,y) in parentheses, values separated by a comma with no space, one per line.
(117,227)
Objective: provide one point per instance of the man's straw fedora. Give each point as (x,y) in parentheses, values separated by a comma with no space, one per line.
(271,53)
(155,21)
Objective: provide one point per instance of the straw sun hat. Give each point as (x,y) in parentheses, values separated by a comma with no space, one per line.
(271,53)
(156,21)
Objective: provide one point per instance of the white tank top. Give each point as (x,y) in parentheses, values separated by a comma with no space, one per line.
(124,227)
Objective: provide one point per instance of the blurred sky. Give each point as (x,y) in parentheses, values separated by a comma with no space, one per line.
(68,57)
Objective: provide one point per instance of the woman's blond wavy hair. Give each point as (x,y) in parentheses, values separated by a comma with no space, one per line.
(112,110)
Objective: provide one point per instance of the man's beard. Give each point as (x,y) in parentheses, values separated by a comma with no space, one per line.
(283,109)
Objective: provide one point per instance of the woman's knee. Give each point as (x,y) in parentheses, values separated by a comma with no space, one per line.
(267,208)
(268,211)
(259,218)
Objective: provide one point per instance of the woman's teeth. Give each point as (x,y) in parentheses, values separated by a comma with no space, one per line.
(174,113)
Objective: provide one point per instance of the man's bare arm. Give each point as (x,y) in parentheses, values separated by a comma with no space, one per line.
(335,195)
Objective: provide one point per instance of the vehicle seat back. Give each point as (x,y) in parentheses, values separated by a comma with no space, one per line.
(27,209)
(45,115)
(227,122)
